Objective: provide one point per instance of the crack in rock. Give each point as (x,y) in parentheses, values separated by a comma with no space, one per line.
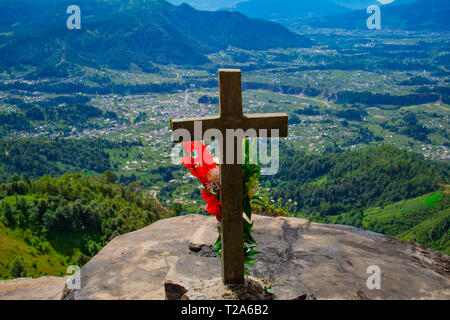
(289,235)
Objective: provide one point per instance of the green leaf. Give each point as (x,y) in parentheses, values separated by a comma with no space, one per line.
(218,246)
(269,290)
(249,239)
(246,259)
(253,252)
(247,227)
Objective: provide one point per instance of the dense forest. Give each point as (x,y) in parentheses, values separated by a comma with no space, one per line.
(424,220)
(63,111)
(103,87)
(38,157)
(375,99)
(333,183)
(67,220)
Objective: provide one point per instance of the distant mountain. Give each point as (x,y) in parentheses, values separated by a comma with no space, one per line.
(207,4)
(231,4)
(363,4)
(288,9)
(423,15)
(123,33)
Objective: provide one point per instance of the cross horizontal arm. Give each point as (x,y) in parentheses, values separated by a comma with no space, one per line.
(269,121)
(188,124)
(274,121)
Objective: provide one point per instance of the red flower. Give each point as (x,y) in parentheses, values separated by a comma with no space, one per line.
(200,163)
(213,206)
(203,156)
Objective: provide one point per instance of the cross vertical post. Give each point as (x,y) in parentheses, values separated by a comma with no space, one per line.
(231,189)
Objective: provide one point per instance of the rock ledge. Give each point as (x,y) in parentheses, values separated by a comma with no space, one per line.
(300,260)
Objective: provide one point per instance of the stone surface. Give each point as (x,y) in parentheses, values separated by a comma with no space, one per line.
(214,289)
(300,259)
(331,261)
(45,288)
(204,239)
(134,265)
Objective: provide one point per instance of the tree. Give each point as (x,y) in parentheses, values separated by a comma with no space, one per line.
(93,247)
(49,220)
(18,269)
(109,176)
(294,119)
(177,208)
(26,179)
(8,213)
(82,259)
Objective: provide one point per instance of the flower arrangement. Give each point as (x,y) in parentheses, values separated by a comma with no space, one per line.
(200,163)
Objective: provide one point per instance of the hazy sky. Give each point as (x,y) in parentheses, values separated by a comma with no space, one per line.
(218,4)
(208,4)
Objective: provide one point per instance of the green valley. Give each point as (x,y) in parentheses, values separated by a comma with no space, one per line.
(51,223)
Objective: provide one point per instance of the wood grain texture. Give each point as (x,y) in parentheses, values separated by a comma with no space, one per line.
(271,121)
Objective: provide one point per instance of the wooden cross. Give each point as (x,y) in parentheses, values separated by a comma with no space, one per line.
(231,184)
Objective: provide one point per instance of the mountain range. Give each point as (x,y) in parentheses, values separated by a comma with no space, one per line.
(137,34)
(276,10)
(307,7)
(363,4)
(118,33)
(412,15)
(422,15)
(208,4)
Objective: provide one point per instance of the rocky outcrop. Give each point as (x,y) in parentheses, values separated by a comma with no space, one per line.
(174,258)
(45,288)
(299,259)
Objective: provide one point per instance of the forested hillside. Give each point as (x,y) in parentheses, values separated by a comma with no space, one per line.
(50,223)
(334,183)
(424,220)
(38,157)
(381,189)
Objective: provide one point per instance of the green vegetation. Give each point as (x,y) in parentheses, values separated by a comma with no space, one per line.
(61,114)
(333,183)
(424,220)
(50,223)
(372,100)
(409,126)
(37,157)
(380,189)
